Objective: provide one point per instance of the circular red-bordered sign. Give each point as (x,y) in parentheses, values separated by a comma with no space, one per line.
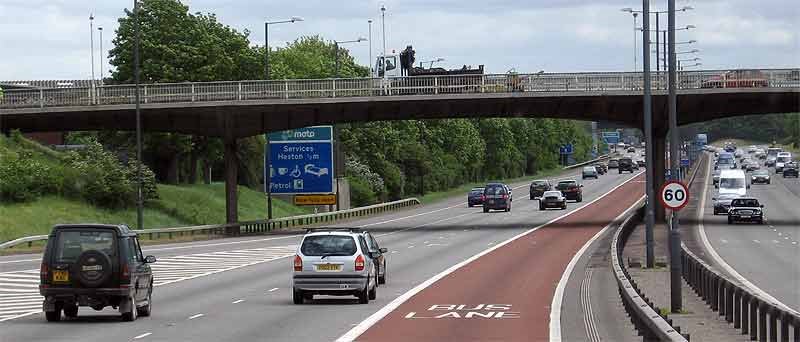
(674,195)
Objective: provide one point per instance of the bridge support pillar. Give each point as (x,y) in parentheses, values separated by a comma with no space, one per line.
(231,185)
(659,169)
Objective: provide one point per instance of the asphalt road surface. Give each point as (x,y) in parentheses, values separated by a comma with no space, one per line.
(766,255)
(238,289)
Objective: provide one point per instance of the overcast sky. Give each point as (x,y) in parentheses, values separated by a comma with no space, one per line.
(49,39)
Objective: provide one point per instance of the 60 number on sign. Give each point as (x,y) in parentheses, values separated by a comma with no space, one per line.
(674,195)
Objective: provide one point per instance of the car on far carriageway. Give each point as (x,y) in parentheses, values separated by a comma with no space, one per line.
(538,187)
(475,197)
(746,209)
(723,202)
(589,172)
(759,177)
(571,189)
(337,262)
(497,196)
(613,163)
(790,170)
(97,266)
(553,199)
(601,168)
(626,164)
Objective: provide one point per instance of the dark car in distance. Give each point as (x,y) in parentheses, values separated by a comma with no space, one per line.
(790,170)
(626,164)
(497,196)
(538,187)
(746,209)
(613,163)
(475,197)
(571,190)
(97,266)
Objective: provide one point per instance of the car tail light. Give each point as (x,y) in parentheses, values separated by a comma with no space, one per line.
(125,277)
(44,272)
(505,196)
(483,197)
(359,263)
(298,263)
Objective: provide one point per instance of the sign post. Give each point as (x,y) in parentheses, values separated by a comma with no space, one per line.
(300,162)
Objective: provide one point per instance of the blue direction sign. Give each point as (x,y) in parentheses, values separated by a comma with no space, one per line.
(611,137)
(685,162)
(301,161)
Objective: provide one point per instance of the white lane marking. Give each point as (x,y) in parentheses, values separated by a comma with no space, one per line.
(723,240)
(273,289)
(589,320)
(558,296)
(775,241)
(23,260)
(718,259)
(196,316)
(394,252)
(237,301)
(756,241)
(425,224)
(142,336)
(410,246)
(355,332)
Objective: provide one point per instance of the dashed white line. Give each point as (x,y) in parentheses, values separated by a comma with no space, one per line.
(273,289)
(196,316)
(237,301)
(756,241)
(142,336)
(410,246)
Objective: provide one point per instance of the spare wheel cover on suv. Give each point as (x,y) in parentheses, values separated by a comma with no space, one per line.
(93,268)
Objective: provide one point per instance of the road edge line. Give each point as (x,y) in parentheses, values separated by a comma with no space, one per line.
(362,327)
(720,261)
(558,296)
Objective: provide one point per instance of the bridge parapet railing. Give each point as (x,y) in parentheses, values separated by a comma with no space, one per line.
(367,87)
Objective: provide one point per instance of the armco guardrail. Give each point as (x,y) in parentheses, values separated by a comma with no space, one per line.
(645,316)
(63,96)
(251,227)
(600,158)
(760,318)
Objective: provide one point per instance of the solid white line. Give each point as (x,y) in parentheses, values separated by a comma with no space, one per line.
(23,260)
(356,331)
(142,336)
(711,251)
(196,316)
(273,289)
(237,301)
(558,296)
(222,243)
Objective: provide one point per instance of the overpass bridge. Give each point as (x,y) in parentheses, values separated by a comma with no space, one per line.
(238,109)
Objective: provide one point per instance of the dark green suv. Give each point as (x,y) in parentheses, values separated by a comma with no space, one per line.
(97,266)
(626,164)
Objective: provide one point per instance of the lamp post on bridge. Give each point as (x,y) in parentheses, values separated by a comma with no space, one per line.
(369,62)
(266,40)
(136,72)
(102,59)
(658,27)
(336,52)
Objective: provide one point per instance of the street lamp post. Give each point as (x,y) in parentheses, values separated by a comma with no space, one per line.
(91,43)
(336,52)
(383,29)
(369,62)
(635,53)
(102,59)
(675,235)
(648,133)
(136,72)
(266,41)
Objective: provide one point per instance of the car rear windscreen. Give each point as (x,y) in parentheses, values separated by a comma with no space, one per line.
(744,203)
(70,244)
(731,183)
(319,245)
(495,190)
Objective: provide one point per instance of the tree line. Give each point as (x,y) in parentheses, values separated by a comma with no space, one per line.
(385,160)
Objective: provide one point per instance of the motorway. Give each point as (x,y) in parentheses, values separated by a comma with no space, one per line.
(768,256)
(238,289)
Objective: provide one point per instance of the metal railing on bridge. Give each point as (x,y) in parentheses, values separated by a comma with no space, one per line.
(373,87)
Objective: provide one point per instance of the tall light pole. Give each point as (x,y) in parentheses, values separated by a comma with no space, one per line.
(369,62)
(675,234)
(648,134)
(91,42)
(383,29)
(139,182)
(657,30)
(336,51)
(266,41)
(102,59)
(634,41)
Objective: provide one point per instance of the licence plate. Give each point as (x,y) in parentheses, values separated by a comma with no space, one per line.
(491,201)
(329,267)
(745,216)
(61,276)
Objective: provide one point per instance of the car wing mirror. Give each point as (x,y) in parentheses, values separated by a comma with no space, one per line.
(762,205)
(716,186)
(149,259)
(383,250)
(713,198)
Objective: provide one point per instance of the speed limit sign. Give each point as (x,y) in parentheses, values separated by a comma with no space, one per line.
(674,195)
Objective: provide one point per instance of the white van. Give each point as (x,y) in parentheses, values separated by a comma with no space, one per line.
(732,182)
(782,159)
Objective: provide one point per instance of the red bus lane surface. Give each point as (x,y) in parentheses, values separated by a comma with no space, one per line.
(506,294)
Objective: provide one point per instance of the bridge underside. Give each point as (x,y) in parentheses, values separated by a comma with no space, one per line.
(247,118)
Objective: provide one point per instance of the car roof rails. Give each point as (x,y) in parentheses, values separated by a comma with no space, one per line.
(333,229)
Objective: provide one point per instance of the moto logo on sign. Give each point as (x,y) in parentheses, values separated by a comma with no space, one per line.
(439,311)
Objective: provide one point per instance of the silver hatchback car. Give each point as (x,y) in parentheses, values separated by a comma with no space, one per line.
(336,262)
